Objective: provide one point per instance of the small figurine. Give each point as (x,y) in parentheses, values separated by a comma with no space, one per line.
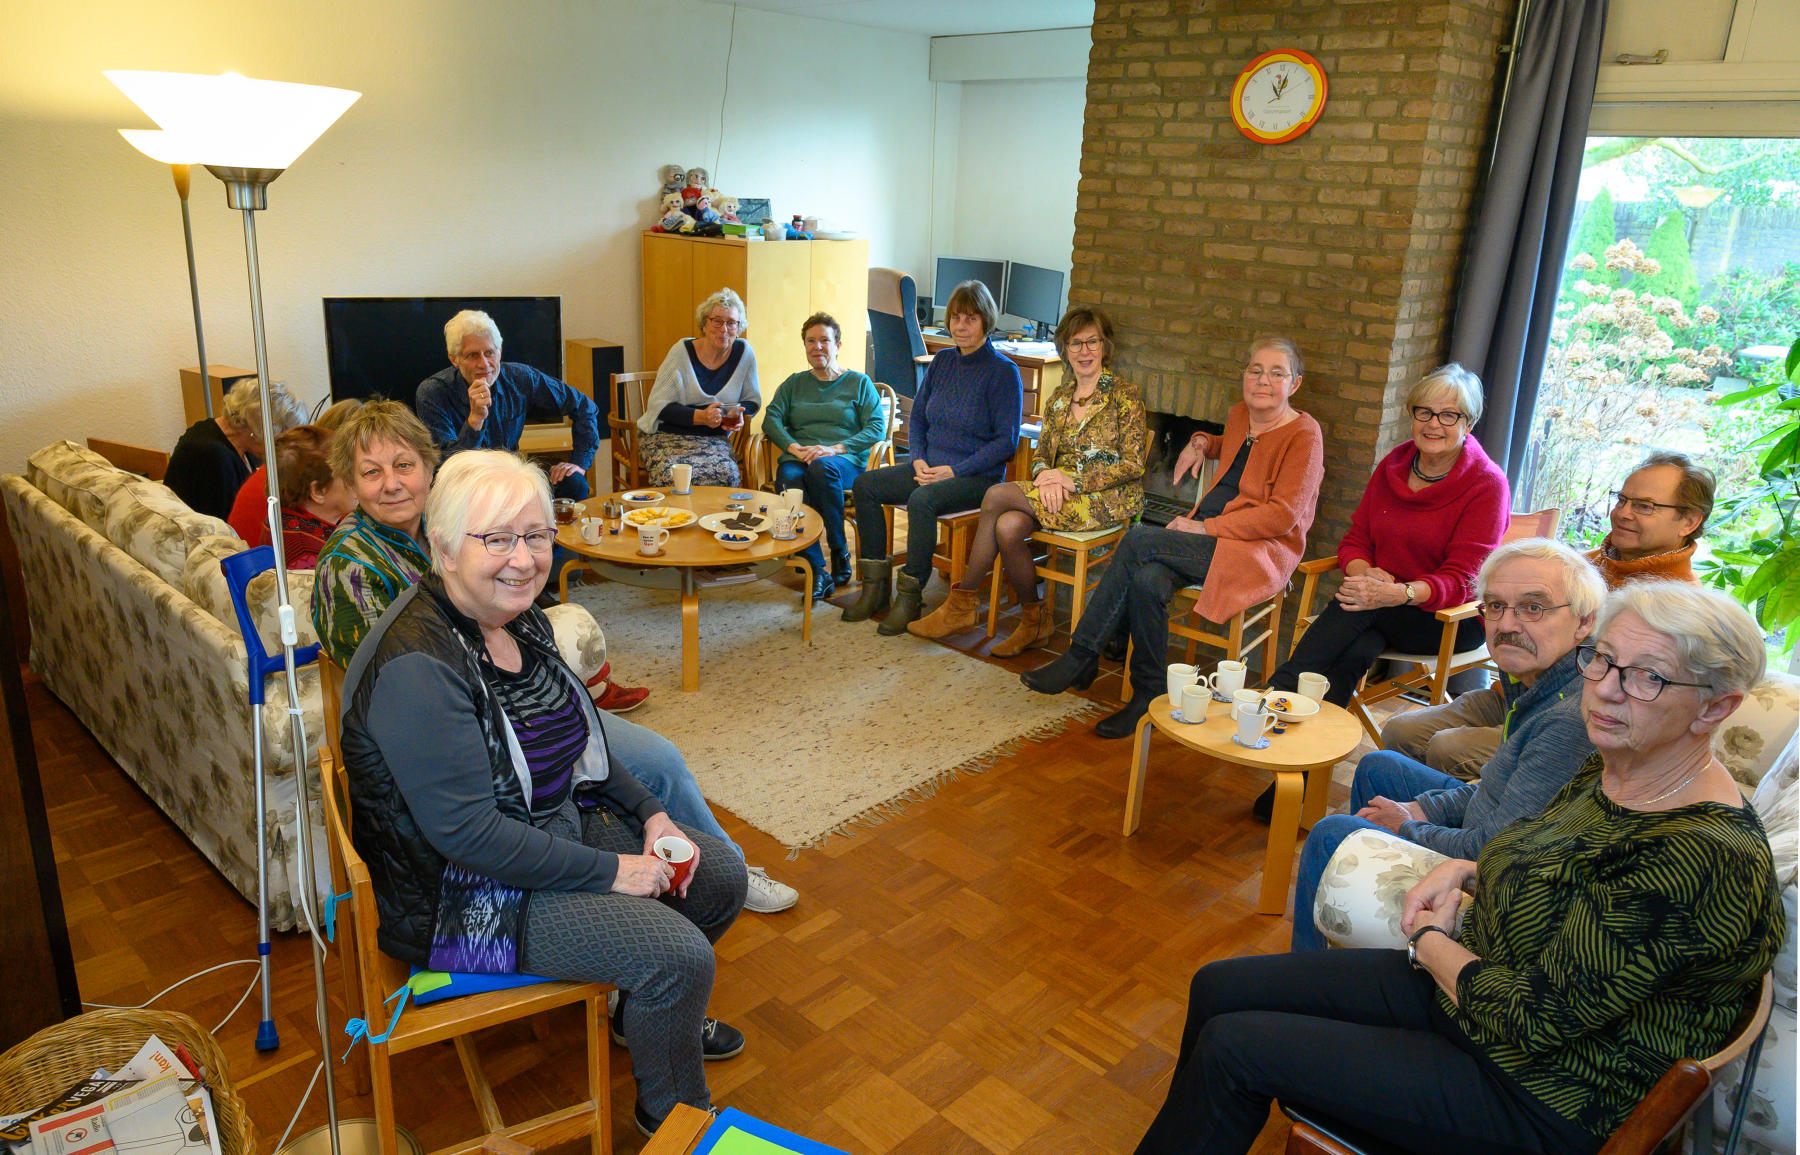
(728,210)
(696,184)
(703,212)
(674,219)
(673,177)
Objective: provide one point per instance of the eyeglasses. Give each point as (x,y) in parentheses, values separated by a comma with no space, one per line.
(1278,376)
(818,342)
(1447,417)
(1642,507)
(724,322)
(1639,682)
(500,543)
(1524,611)
(1086,344)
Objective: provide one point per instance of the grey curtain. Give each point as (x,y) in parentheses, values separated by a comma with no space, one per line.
(1514,268)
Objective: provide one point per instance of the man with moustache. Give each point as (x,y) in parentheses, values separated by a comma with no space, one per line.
(1657,516)
(1538,601)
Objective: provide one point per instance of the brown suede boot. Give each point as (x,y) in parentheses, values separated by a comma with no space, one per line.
(957,615)
(1034,629)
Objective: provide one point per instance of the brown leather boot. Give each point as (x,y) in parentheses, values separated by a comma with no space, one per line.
(957,615)
(1034,629)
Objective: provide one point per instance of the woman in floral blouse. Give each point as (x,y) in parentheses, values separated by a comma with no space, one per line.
(1087,473)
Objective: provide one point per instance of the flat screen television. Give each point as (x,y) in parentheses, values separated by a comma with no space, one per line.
(385,346)
(1033,293)
(953,271)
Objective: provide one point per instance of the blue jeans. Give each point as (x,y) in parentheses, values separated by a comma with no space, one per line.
(1383,773)
(825,482)
(653,760)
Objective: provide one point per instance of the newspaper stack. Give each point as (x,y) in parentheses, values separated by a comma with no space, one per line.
(157,1104)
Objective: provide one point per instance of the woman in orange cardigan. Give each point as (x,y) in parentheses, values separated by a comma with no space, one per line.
(1242,540)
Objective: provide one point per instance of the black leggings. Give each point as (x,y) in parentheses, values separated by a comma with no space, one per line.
(1342,644)
(1354,1034)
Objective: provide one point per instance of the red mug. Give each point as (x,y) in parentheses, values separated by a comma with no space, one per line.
(678,853)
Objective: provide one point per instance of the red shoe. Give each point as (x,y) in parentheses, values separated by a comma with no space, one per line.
(613,697)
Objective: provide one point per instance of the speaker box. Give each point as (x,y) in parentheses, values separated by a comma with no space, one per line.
(589,364)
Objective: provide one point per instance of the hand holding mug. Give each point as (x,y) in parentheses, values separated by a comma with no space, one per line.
(713,416)
(643,875)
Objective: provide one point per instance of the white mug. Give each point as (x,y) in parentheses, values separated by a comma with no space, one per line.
(1181,676)
(1228,678)
(1314,686)
(795,498)
(683,476)
(651,539)
(590,530)
(1246,702)
(1251,727)
(1196,701)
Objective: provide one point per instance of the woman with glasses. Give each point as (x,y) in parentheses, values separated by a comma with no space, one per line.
(1087,473)
(705,389)
(1240,542)
(504,833)
(1549,983)
(824,420)
(1434,509)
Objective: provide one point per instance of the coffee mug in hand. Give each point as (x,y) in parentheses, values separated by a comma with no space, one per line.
(1228,677)
(683,476)
(651,539)
(679,853)
(1181,676)
(1251,726)
(1196,701)
(1313,686)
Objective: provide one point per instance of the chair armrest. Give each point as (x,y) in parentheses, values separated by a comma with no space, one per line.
(881,453)
(1359,895)
(1460,613)
(1317,565)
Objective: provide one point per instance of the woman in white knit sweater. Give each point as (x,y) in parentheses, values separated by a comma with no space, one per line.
(705,390)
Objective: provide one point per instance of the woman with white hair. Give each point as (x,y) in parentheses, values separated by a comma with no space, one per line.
(1623,927)
(1434,509)
(212,460)
(503,834)
(705,390)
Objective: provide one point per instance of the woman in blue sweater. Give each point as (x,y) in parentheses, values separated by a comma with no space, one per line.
(964,428)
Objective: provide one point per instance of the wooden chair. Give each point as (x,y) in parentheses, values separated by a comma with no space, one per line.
(630,392)
(152,463)
(1658,1117)
(1083,550)
(880,454)
(956,531)
(1427,674)
(370,976)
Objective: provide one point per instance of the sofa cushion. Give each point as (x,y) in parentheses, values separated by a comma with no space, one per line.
(1359,895)
(77,479)
(147,521)
(204,582)
(263,606)
(1749,740)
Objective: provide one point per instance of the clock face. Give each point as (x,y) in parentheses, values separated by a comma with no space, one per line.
(1278,96)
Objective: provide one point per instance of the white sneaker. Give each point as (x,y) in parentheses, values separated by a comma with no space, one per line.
(765,895)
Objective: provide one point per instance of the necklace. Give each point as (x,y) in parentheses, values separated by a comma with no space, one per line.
(1673,789)
(1426,477)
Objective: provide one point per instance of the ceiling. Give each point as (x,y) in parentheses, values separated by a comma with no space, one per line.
(938,17)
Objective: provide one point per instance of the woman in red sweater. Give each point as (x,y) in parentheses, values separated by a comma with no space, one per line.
(1241,540)
(1435,508)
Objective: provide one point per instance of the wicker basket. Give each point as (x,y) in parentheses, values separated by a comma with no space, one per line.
(57,1057)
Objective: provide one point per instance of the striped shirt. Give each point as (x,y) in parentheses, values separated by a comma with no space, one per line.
(540,703)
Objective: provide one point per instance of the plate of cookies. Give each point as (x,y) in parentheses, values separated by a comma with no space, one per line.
(661,517)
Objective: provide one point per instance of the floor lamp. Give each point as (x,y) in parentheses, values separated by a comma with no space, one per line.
(247,132)
(161,146)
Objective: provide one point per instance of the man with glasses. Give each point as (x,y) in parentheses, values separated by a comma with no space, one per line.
(481,403)
(1538,601)
(1657,515)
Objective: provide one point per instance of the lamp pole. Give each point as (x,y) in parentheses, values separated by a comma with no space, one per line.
(180,172)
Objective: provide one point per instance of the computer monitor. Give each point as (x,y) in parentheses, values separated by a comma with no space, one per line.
(1033,293)
(953,271)
(384,346)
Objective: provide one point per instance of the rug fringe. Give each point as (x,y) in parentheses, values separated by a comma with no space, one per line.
(898,805)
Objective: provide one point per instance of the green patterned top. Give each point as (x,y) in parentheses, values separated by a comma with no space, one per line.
(362,569)
(1613,942)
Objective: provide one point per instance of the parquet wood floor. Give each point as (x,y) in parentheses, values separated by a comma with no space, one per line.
(997,970)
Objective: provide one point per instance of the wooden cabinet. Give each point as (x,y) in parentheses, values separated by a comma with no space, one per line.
(782,283)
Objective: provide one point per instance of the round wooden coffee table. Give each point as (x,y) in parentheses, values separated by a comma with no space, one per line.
(691,560)
(1301,760)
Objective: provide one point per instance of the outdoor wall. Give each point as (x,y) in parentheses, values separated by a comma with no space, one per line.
(496,149)
(1349,238)
(1760,237)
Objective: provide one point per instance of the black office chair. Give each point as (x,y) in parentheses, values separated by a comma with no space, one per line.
(894,328)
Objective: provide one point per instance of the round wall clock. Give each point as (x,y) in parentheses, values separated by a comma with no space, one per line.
(1278,96)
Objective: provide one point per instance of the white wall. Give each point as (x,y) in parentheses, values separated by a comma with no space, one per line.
(1019,161)
(497,149)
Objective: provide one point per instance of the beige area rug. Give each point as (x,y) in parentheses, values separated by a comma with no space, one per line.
(803,741)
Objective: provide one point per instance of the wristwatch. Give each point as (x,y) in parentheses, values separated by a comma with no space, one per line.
(1412,943)
(1410,597)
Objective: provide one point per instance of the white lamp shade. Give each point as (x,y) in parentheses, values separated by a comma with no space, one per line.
(159,145)
(231,121)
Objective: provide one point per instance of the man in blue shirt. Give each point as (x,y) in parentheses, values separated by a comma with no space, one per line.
(480,403)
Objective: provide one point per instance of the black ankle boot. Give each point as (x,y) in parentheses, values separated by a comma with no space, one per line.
(1263,809)
(841,575)
(1074,669)
(1123,723)
(822,587)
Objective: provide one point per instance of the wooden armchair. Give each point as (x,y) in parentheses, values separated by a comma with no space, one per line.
(1427,674)
(630,392)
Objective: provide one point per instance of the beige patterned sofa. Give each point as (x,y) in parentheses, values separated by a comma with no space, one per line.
(1359,895)
(132,627)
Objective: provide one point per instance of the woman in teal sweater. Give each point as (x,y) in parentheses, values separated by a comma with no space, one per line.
(824,421)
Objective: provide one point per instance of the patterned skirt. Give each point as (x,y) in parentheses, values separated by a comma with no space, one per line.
(1080,512)
(710,456)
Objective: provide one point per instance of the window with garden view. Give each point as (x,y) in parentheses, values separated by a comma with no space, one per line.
(1682,290)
